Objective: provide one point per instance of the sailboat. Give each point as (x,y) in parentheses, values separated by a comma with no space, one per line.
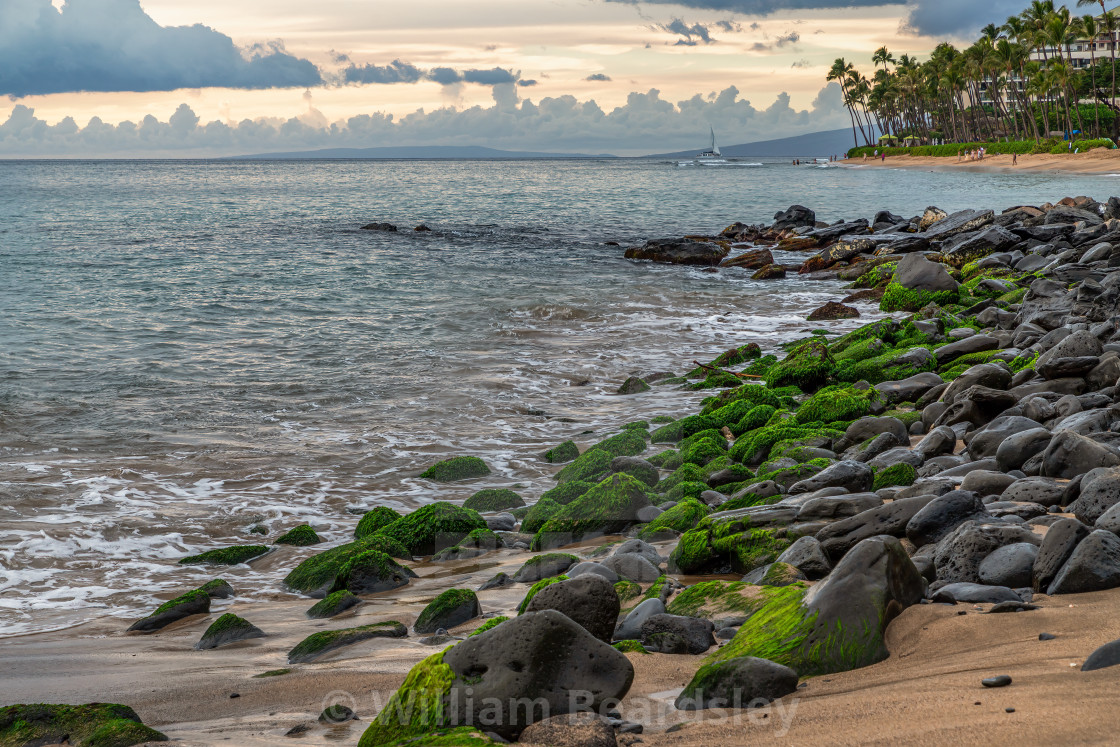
(712,155)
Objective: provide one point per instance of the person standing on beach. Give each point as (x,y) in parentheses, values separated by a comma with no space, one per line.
(960,154)
(1014,159)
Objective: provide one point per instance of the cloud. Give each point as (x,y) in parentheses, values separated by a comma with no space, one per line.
(113,45)
(403,72)
(958,18)
(697,33)
(765,7)
(784,40)
(598,77)
(802,63)
(646,123)
(526,83)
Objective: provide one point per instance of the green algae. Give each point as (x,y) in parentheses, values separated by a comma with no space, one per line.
(452,607)
(680,518)
(317,573)
(590,465)
(417,706)
(272,673)
(228,628)
(456,468)
(568,492)
(301,536)
(319,644)
(565,452)
(374,519)
(835,404)
(808,367)
(627,590)
(535,588)
(897,474)
(493,622)
(226,555)
(493,499)
(335,603)
(757,417)
(630,647)
(900,298)
(627,443)
(92,725)
(539,514)
(433,527)
(608,508)
(711,598)
(684,473)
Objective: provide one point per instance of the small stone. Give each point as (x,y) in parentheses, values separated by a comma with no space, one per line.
(297,731)
(1009,710)
(1046,636)
(1001,680)
(234,695)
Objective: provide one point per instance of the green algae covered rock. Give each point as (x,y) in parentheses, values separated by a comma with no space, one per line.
(691,489)
(226,555)
(536,588)
(539,514)
(712,598)
(493,499)
(837,625)
(627,443)
(609,508)
(703,451)
(753,448)
(433,527)
(316,575)
(808,367)
(727,544)
(835,404)
(92,725)
(218,588)
(334,604)
(684,473)
(567,492)
(195,602)
(374,520)
(591,465)
(452,607)
(493,622)
(898,297)
(301,536)
(748,500)
(229,628)
(627,590)
(746,397)
(757,417)
(680,518)
(456,468)
(897,474)
(317,645)
(415,708)
(630,647)
(681,429)
(565,452)
(371,572)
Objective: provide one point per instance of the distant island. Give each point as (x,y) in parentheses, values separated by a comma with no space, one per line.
(415,151)
(812,145)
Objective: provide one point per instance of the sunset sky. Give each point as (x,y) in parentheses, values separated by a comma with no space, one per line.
(555,75)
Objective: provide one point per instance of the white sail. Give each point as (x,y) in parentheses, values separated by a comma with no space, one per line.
(715,148)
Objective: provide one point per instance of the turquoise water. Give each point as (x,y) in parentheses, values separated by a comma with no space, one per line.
(191,348)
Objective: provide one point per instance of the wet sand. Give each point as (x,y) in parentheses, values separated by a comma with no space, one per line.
(1098,161)
(925,693)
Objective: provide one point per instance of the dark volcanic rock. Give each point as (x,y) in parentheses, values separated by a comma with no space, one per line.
(795,216)
(539,656)
(590,600)
(679,252)
(942,515)
(694,631)
(739,683)
(1061,538)
(229,628)
(959,555)
(807,556)
(630,629)
(1099,493)
(750,260)
(833,310)
(1010,565)
(917,272)
(975,594)
(851,475)
(382,226)
(1016,449)
(1093,566)
(1070,454)
(959,222)
(1107,655)
(838,538)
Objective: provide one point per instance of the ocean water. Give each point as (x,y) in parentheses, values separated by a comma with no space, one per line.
(189,349)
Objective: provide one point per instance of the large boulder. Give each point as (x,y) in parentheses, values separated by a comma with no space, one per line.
(1014,451)
(942,515)
(959,222)
(1099,493)
(589,600)
(694,633)
(610,507)
(1062,537)
(985,442)
(835,626)
(452,607)
(918,273)
(630,629)
(433,527)
(679,252)
(851,475)
(807,556)
(1010,565)
(195,602)
(1093,566)
(633,566)
(738,683)
(371,572)
(838,538)
(795,216)
(1070,454)
(514,674)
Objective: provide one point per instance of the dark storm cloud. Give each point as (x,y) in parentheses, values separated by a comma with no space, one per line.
(403,72)
(598,77)
(113,45)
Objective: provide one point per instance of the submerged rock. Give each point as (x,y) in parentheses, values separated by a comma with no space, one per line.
(456,468)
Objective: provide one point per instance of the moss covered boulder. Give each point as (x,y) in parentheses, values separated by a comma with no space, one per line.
(92,725)
(680,518)
(711,599)
(535,589)
(373,521)
(900,298)
(452,607)
(371,572)
(610,507)
(218,588)
(835,404)
(195,602)
(628,443)
(301,536)
(897,474)
(590,466)
(565,452)
(727,542)
(318,645)
(316,575)
(334,604)
(493,499)
(456,468)
(226,555)
(627,590)
(568,492)
(493,622)
(431,528)
(835,626)
(808,367)
(539,514)
(229,628)
(478,542)
(754,448)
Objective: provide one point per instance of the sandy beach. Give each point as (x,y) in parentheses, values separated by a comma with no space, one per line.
(927,692)
(1099,162)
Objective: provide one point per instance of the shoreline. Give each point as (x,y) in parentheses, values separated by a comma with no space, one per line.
(1094,163)
(925,690)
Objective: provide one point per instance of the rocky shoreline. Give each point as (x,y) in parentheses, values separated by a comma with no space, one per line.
(963,452)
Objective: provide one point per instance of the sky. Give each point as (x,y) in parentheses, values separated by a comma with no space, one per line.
(123,78)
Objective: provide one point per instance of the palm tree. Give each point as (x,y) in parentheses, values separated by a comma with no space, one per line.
(1110,24)
(839,72)
(1091,31)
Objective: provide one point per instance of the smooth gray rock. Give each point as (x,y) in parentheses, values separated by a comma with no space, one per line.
(838,507)
(633,566)
(1062,537)
(942,515)
(975,594)
(989,375)
(1107,655)
(838,538)
(637,468)
(986,482)
(852,475)
(1010,565)
(985,442)
(967,346)
(908,389)
(1017,448)
(1100,491)
(1045,491)
(539,656)
(696,632)
(630,629)
(1070,454)
(590,567)
(917,272)
(941,440)
(806,555)
(639,547)
(897,455)
(869,427)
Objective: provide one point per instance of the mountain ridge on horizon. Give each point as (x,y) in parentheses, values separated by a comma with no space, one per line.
(810,145)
